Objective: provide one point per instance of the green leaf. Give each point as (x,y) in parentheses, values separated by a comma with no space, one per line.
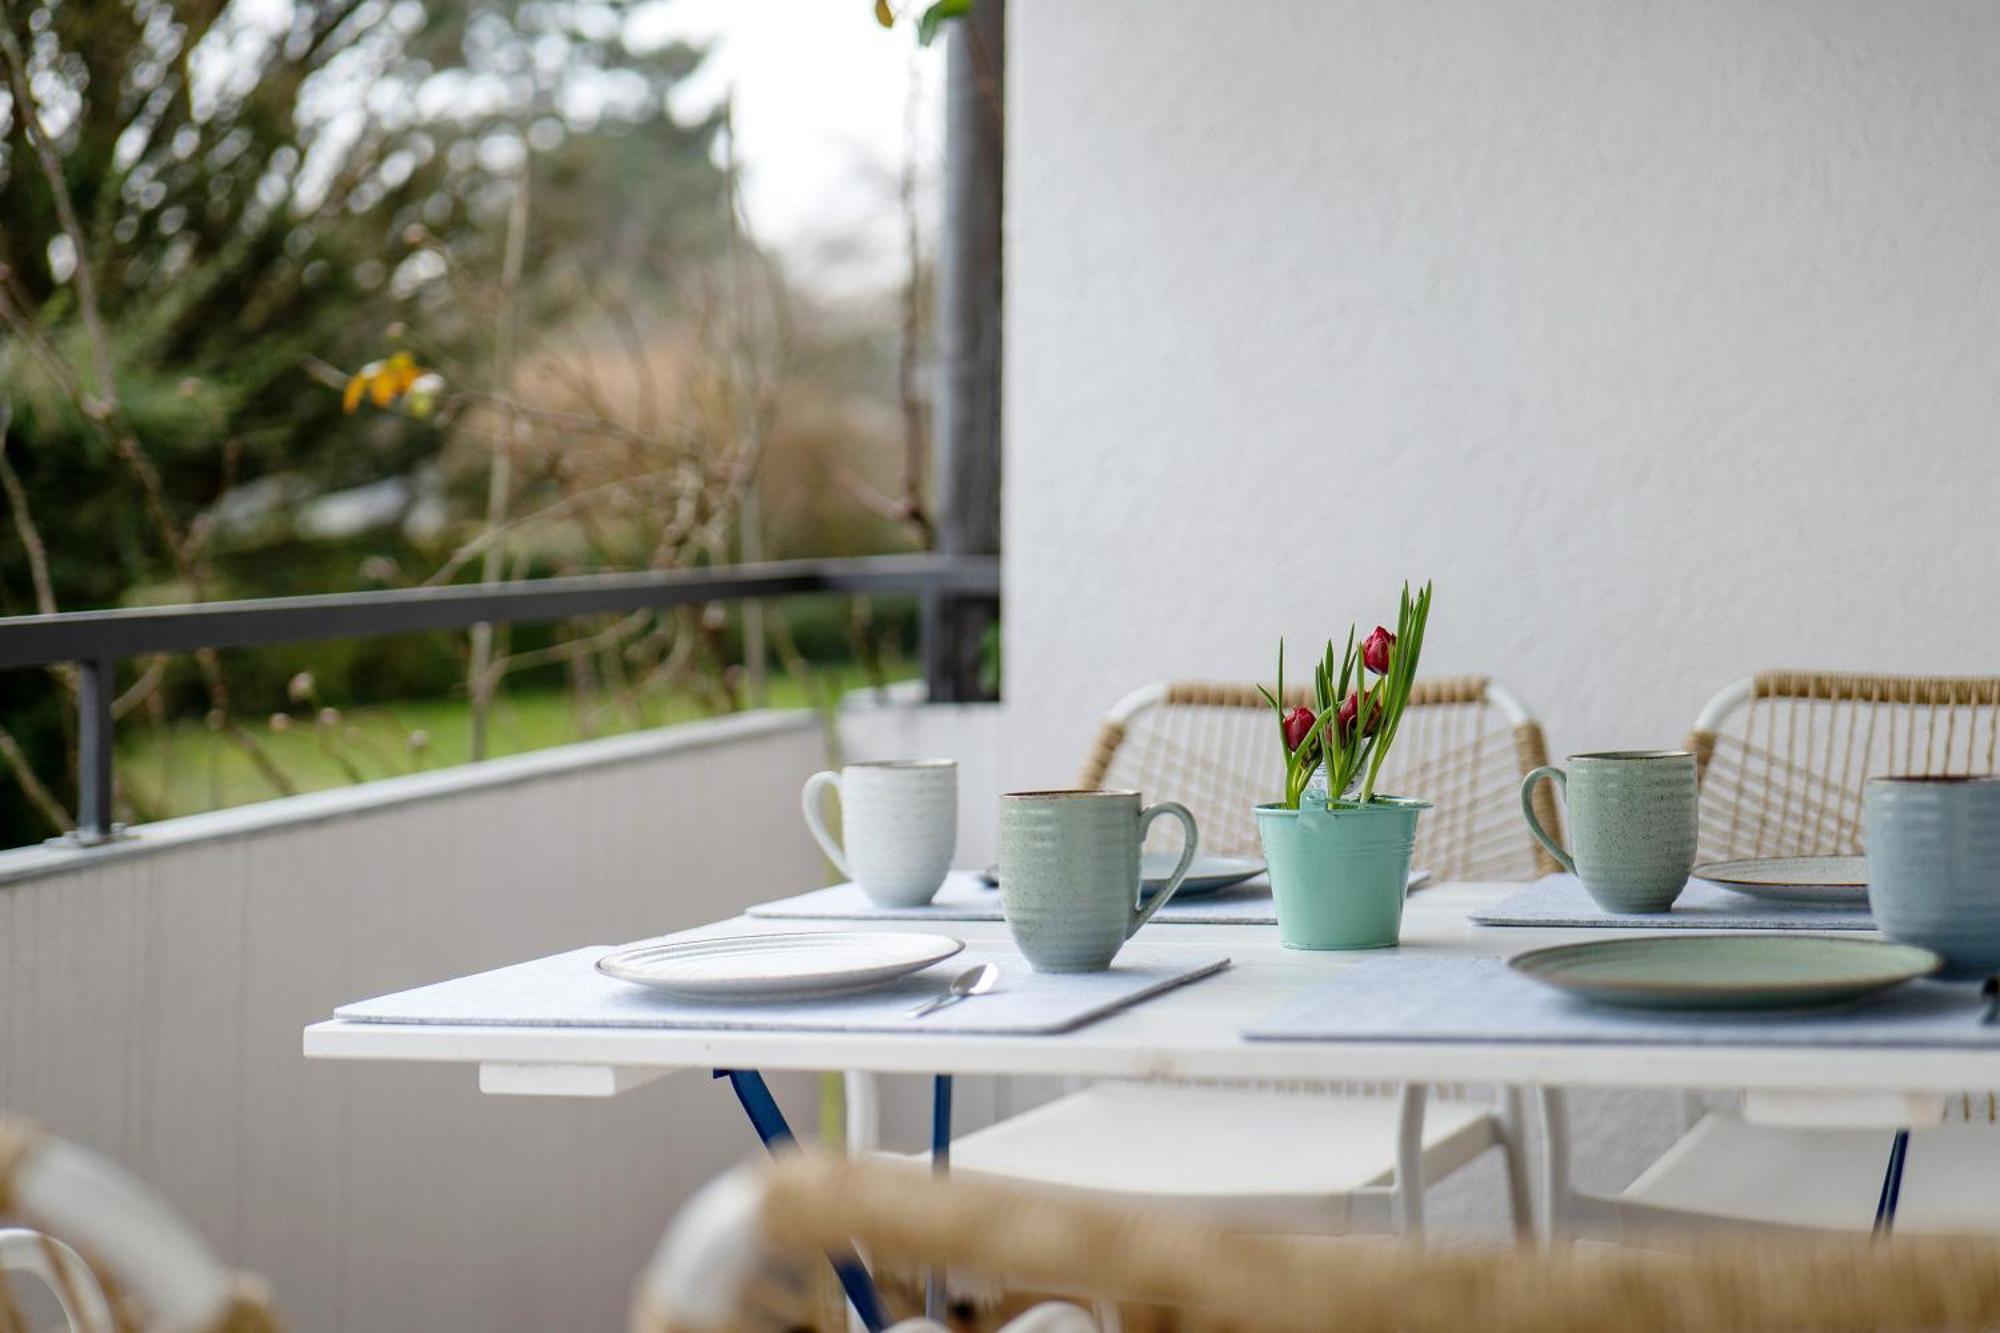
(1412,616)
(927,26)
(884,15)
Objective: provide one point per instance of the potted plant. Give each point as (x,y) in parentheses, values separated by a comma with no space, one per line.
(1340,856)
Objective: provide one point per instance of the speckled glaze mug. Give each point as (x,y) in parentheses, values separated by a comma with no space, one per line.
(1632,825)
(1069,873)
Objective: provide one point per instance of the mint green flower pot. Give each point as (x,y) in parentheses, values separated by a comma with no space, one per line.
(1339,876)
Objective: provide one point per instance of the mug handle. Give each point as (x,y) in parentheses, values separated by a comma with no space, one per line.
(811,800)
(1542,835)
(1173,884)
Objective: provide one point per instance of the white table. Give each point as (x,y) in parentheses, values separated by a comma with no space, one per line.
(1192,1031)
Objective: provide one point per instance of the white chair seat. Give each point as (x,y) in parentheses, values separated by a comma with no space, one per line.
(1286,1161)
(1727,1169)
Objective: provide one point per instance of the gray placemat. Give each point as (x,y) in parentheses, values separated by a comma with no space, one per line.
(567,991)
(1561,900)
(965,897)
(1479,999)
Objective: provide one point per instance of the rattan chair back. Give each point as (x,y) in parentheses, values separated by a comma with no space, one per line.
(1465,744)
(1783,755)
(1167,1269)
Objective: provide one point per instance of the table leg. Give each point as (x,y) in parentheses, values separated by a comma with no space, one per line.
(863,1092)
(1892,1184)
(940,1164)
(769,1122)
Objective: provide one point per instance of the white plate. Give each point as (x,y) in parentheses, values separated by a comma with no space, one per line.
(778,967)
(1826,881)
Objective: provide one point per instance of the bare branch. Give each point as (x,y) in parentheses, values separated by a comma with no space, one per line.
(642,366)
(142,690)
(24,521)
(105,408)
(14,310)
(32,544)
(85,275)
(896,508)
(555,509)
(916,439)
(31,786)
(480,681)
(623,628)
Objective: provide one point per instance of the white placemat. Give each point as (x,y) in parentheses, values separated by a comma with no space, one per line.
(1479,999)
(1561,900)
(965,897)
(567,991)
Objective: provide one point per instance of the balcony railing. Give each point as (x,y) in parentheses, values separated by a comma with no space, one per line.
(96,641)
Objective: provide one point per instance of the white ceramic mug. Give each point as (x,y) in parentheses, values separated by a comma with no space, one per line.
(900,824)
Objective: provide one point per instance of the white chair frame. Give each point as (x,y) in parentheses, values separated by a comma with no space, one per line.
(1569,1213)
(714,1270)
(1725,703)
(77,1292)
(66,1190)
(1398,1206)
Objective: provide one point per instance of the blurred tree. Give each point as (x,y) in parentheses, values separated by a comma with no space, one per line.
(258,185)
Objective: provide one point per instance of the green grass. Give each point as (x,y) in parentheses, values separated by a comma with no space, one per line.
(184,767)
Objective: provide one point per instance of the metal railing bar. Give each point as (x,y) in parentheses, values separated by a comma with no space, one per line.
(104,636)
(97,686)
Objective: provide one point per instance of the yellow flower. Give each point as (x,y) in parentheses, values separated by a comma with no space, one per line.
(357,385)
(383,382)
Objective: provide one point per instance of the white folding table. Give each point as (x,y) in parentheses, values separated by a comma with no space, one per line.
(1192,1031)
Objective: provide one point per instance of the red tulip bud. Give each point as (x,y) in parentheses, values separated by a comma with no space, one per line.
(1375,650)
(1350,707)
(1298,725)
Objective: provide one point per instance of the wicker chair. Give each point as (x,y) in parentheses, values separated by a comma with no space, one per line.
(1465,744)
(112,1252)
(1303,1157)
(1162,1271)
(1783,755)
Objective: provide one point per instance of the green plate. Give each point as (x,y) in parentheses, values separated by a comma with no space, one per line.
(1737,971)
(1824,881)
(1208,874)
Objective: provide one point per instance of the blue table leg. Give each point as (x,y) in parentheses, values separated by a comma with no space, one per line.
(940,1164)
(941,1124)
(1892,1184)
(769,1121)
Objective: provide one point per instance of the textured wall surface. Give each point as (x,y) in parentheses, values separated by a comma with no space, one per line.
(1663,336)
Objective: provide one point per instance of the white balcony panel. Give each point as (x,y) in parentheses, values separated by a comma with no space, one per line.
(154,994)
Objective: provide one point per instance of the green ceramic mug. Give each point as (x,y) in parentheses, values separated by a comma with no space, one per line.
(1069,873)
(1632,825)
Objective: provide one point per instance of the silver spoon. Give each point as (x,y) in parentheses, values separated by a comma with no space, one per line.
(972,981)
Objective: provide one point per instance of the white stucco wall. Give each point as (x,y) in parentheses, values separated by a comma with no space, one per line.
(1665,337)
